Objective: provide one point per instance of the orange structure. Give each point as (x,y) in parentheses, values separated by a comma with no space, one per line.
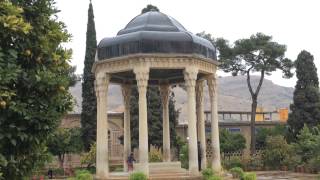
(283,114)
(259,117)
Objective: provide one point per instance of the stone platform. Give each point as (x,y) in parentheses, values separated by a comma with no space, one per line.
(159,171)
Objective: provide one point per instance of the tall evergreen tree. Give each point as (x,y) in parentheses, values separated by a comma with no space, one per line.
(154,117)
(89,101)
(306,98)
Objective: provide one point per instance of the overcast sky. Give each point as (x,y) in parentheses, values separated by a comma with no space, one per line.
(295,23)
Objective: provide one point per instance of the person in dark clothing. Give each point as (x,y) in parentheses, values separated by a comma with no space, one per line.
(199,156)
(130,162)
(50,173)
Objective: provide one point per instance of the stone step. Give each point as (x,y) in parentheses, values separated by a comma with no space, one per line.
(155,165)
(162,177)
(159,176)
(168,171)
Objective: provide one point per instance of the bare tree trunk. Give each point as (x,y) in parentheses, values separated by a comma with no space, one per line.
(61,160)
(252,125)
(254,97)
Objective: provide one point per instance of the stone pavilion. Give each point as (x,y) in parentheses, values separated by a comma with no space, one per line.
(156,50)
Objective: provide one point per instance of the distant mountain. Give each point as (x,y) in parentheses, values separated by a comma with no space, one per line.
(233,95)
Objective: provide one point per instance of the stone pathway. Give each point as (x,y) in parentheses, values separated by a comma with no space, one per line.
(283,175)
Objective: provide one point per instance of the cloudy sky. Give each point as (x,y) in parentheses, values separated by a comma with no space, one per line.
(295,23)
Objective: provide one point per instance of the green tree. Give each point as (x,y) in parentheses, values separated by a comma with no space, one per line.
(277,151)
(306,97)
(34,79)
(306,144)
(89,101)
(154,117)
(257,54)
(89,158)
(149,7)
(231,142)
(263,133)
(65,141)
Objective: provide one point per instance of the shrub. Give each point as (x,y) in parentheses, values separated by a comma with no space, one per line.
(236,172)
(232,162)
(307,144)
(83,175)
(249,176)
(155,155)
(138,176)
(252,163)
(58,171)
(89,158)
(215,178)
(277,150)
(231,142)
(263,133)
(207,173)
(184,157)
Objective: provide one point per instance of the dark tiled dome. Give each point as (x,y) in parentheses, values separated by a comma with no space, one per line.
(154,32)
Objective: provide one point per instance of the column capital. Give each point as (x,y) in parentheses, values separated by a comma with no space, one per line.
(126,93)
(190,76)
(101,84)
(212,84)
(164,93)
(199,91)
(142,77)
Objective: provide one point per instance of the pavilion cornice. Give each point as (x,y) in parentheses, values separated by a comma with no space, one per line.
(161,61)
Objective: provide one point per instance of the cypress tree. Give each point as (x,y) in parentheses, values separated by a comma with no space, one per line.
(154,117)
(89,101)
(134,117)
(306,98)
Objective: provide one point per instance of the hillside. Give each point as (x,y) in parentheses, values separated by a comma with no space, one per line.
(233,96)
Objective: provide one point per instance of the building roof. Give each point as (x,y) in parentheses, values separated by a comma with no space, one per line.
(154,32)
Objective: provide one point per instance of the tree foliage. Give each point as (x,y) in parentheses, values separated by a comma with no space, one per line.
(257,54)
(277,151)
(89,158)
(65,141)
(263,133)
(154,108)
(34,78)
(231,142)
(308,144)
(149,7)
(89,101)
(306,97)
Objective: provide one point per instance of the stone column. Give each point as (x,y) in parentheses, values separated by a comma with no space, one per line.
(164,92)
(142,77)
(201,123)
(190,77)
(102,158)
(215,143)
(126,92)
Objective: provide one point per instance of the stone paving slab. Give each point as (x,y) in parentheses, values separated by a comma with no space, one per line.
(284,175)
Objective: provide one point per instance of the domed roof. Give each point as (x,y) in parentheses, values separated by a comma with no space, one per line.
(154,32)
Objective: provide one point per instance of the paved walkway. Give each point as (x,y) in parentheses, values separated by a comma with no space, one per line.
(283,175)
